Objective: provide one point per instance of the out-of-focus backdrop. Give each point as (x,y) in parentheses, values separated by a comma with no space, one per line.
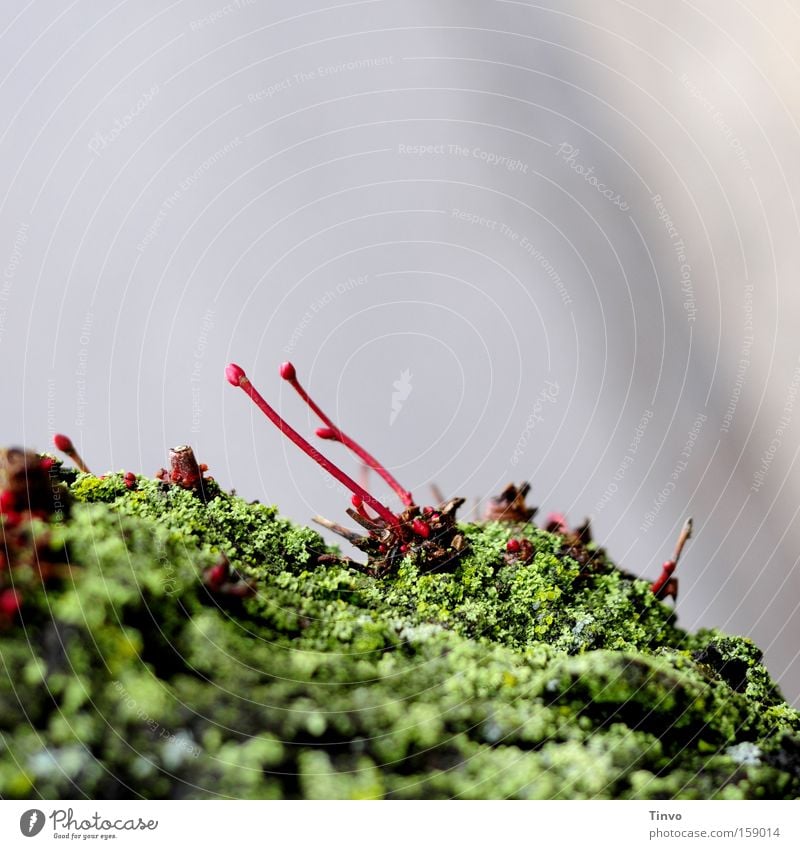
(553,241)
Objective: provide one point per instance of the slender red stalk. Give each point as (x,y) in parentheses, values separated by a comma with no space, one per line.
(65,446)
(669,566)
(236,377)
(358,503)
(289,374)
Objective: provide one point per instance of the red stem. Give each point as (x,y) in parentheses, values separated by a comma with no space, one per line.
(358,503)
(669,566)
(666,573)
(237,377)
(65,445)
(335,433)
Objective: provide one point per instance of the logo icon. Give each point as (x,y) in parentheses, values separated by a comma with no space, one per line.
(402,389)
(31,822)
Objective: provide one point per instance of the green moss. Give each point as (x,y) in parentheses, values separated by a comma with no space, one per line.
(501,679)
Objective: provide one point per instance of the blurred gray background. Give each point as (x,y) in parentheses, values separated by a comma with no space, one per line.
(567,230)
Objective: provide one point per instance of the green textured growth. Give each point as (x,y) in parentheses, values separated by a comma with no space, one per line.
(501,679)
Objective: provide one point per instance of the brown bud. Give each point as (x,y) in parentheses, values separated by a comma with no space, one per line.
(510,505)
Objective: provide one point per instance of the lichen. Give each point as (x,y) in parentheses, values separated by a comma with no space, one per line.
(501,679)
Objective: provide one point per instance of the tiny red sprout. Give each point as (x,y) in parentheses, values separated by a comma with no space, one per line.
(11,519)
(427,511)
(130,480)
(331,431)
(403,548)
(421,528)
(513,546)
(46,463)
(65,445)
(217,576)
(10,602)
(358,502)
(235,374)
(667,568)
(237,377)
(665,584)
(7,501)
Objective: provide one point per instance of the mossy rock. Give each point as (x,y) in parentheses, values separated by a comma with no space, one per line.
(129,677)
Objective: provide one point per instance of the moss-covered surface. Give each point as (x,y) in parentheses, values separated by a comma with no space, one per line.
(130,677)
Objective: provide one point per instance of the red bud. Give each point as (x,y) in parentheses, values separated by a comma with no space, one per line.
(235,374)
(63,443)
(10,601)
(7,501)
(421,528)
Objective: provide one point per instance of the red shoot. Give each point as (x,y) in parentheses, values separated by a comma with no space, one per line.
(421,528)
(8,501)
(513,546)
(331,431)
(65,446)
(660,585)
(217,575)
(358,502)
(10,602)
(236,377)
